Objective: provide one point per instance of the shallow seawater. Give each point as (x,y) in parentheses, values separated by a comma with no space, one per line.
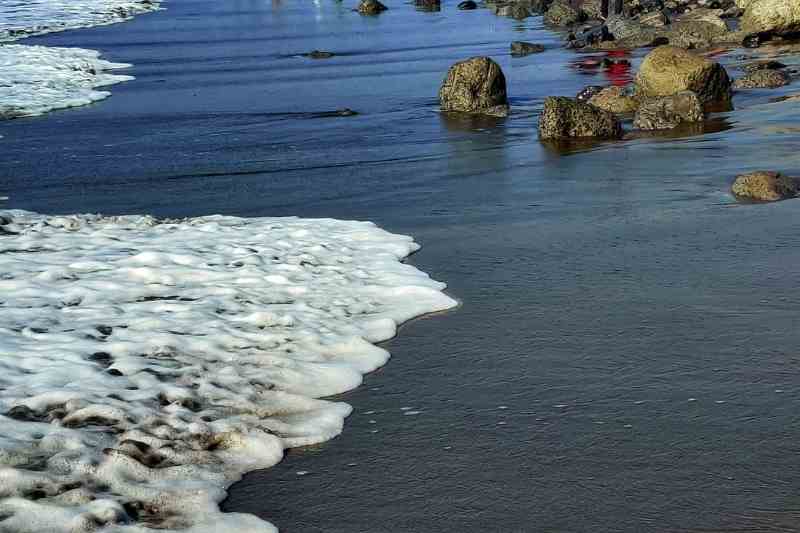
(625,358)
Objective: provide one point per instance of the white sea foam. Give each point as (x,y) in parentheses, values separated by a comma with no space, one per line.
(37,79)
(145,364)
(22,18)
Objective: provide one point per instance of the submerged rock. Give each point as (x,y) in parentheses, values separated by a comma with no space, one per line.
(668,70)
(615,99)
(319,54)
(521,48)
(476,85)
(765,186)
(560,13)
(667,112)
(771,16)
(467,5)
(762,79)
(564,118)
(371,7)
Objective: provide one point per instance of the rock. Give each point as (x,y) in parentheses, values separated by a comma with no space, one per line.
(765,186)
(592,9)
(516,11)
(476,85)
(588,92)
(743,4)
(667,112)
(521,48)
(615,100)
(654,19)
(561,13)
(668,70)
(428,5)
(762,79)
(694,34)
(319,54)
(630,33)
(567,118)
(763,65)
(779,17)
(371,7)
(467,5)
(712,16)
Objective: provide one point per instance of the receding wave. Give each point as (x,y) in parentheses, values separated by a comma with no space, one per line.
(37,79)
(146,364)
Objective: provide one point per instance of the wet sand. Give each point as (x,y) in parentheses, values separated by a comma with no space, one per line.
(625,357)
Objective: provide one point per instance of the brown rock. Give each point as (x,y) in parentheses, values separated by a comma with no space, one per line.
(371,7)
(668,70)
(564,118)
(762,79)
(667,112)
(765,186)
(476,85)
(615,100)
(771,16)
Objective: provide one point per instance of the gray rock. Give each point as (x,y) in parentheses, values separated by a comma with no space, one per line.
(564,118)
(667,112)
(477,86)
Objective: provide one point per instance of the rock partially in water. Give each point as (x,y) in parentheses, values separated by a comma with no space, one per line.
(467,5)
(428,5)
(779,17)
(516,11)
(565,118)
(769,64)
(319,54)
(371,7)
(629,33)
(561,13)
(476,85)
(762,79)
(522,48)
(668,70)
(615,100)
(765,186)
(668,112)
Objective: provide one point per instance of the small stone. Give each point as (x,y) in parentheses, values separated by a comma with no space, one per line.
(467,5)
(319,54)
(521,48)
(615,100)
(588,92)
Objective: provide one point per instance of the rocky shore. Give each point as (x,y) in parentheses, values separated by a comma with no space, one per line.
(678,82)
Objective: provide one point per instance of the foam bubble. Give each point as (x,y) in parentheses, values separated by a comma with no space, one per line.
(146,364)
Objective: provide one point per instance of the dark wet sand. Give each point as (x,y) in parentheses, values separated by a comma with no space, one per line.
(626,355)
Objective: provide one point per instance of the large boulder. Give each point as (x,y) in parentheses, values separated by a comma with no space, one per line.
(564,118)
(667,112)
(771,16)
(615,100)
(765,186)
(762,79)
(560,13)
(668,70)
(476,85)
